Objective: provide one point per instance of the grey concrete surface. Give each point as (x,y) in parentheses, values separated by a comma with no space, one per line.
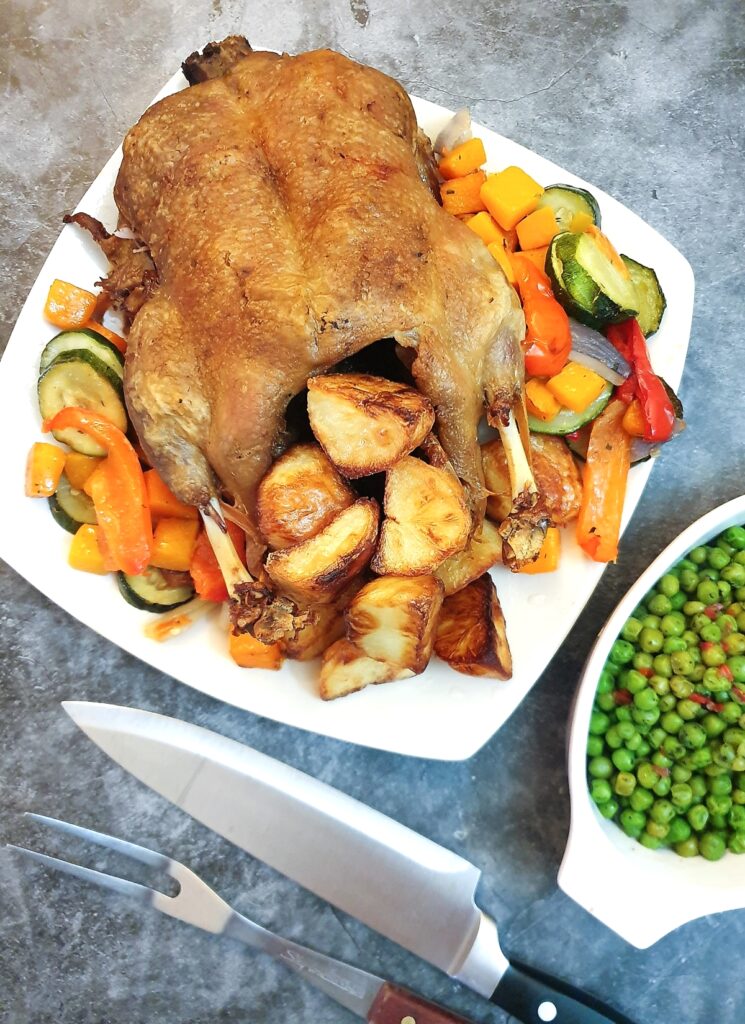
(644,99)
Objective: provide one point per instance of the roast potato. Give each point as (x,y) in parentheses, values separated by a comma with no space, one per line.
(483,550)
(471,632)
(426,519)
(364,423)
(316,571)
(392,619)
(300,494)
(556,475)
(324,625)
(345,669)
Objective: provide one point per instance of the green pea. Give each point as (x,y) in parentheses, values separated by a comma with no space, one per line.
(736,665)
(725,590)
(736,818)
(651,842)
(643,750)
(731,712)
(656,736)
(678,600)
(594,746)
(625,784)
(656,829)
(662,786)
(605,701)
(735,537)
(642,660)
(645,717)
(623,714)
(686,563)
(712,846)
(660,685)
(660,605)
(688,710)
(688,848)
(673,748)
(600,767)
(690,638)
(599,723)
(698,555)
(651,640)
(718,805)
(717,558)
(650,621)
(662,811)
(681,687)
(727,624)
(707,591)
(713,655)
(609,809)
(625,730)
(634,681)
(693,607)
(613,739)
(688,580)
(736,843)
(713,724)
(681,662)
(663,666)
(646,775)
(600,791)
(667,702)
(632,822)
(735,642)
(623,759)
(668,585)
(641,799)
(734,574)
(681,795)
(718,823)
(680,774)
(724,755)
(661,760)
(673,644)
(646,699)
(711,634)
(698,817)
(741,621)
(621,652)
(671,722)
(698,759)
(699,787)
(631,630)
(692,735)
(679,831)
(734,736)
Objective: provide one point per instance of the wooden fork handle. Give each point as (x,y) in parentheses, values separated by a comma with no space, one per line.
(395,1005)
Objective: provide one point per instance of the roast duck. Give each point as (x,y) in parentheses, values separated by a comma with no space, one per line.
(285,217)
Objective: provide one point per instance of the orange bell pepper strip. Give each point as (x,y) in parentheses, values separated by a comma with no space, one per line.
(548,342)
(117,487)
(604,484)
(205,572)
(68,306)
(43,469)
(116,339)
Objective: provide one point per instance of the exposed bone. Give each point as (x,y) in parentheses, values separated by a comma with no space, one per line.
(524,529)
(254,607)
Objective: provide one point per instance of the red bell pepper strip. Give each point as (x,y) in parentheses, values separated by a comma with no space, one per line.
(604,479)
(548,340)
(118,492)
(659,415)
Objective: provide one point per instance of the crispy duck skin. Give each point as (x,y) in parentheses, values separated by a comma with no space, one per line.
(286,205)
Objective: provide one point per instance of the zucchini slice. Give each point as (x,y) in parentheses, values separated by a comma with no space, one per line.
(566,421)
(566,201)
(587,283)
(151,593)
(70,507)
(79,378)
(83,340)
(650,296)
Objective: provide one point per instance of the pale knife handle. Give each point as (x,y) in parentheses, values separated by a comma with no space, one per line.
(534,997)
(395,1005)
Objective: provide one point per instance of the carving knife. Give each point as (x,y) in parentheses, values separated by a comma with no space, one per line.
(394,880)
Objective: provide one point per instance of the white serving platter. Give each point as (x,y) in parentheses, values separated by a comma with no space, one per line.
(440,714)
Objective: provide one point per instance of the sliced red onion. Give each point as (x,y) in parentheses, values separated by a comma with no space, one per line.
(592,350)
(455,132)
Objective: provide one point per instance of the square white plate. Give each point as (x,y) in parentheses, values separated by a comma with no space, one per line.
(439,714)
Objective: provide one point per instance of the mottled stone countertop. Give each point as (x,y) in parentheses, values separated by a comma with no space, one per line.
(644,99)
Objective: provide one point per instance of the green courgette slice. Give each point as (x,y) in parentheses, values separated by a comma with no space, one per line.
(83,340)
(151,593)
(649,294)
(568,200)
(587,284)
(567,421)
(80,378)
(70,507)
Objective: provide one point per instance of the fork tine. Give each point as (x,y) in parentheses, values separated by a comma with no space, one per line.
(120,885)
(140,853)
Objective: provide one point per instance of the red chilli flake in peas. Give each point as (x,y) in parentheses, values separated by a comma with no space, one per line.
(712,611)
(706,702)
(648,672)
(738,694)
(726,672)
(622,696)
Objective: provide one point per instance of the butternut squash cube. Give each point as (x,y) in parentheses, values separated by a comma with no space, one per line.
(510,195)
(537,229)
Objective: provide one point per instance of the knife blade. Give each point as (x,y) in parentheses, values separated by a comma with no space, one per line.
(397,882)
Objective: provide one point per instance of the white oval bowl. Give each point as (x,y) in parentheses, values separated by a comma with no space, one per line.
(641,894)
